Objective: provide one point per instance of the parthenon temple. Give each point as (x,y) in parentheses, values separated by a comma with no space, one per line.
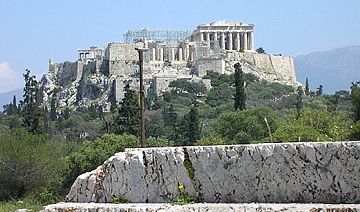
(206,39)
(229,35)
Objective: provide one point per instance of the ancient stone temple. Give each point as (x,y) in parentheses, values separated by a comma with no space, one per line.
(228,35)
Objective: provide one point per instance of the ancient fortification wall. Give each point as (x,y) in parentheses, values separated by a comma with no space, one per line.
(281,173)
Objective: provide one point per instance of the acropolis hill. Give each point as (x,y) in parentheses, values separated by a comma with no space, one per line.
(101,74)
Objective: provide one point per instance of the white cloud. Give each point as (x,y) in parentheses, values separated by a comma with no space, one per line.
(9,79)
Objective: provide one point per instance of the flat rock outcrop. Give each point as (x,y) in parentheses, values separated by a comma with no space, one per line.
(199,207)
(266,173)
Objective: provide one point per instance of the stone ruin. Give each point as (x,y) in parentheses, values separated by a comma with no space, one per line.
(100,74)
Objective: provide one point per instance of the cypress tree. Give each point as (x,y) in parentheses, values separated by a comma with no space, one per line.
(240,95)
(299,103)
(31,110)
(307,88)
(14,105)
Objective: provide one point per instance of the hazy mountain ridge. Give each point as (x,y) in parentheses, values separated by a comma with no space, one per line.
(334,69)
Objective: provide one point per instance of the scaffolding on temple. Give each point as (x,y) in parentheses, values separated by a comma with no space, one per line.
(156,35)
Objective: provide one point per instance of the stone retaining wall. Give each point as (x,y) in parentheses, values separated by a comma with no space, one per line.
(266,173)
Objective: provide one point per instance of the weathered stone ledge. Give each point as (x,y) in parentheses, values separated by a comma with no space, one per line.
(203,207)
(324,172)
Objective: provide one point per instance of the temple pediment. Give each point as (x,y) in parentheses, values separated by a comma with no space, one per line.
(225,23)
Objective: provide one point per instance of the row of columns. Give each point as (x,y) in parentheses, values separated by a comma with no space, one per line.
(243,40)
(83,56)
(174,54)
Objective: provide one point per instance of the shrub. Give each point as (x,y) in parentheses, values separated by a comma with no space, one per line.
(27,163)
(94,153)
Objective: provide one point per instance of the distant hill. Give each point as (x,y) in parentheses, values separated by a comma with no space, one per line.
(334,69)
(6,98)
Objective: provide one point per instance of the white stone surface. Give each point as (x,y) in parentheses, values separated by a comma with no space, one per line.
(87,207)
(283,173)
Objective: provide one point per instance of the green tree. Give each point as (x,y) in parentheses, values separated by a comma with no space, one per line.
(244,126)
(240,95)
(260,50)
(127,119)
(53,113)
(355,103)
(355,100)
(14,105)
(319,90)
(299,102)
(189,128)
(184,85)
(219,95)
(307,88)
(31,110)
(169,115)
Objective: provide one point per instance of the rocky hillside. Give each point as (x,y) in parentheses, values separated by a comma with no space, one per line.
(334,69)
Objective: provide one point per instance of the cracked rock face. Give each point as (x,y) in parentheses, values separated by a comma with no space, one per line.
(283,173)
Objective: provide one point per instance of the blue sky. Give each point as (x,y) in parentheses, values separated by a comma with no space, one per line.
(32,32)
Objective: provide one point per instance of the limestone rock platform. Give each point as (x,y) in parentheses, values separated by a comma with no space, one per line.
(317,172)
(199,207)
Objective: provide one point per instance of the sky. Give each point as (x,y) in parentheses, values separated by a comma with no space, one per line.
(32,32)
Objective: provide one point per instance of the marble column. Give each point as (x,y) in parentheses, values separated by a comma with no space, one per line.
(157,54)
(180,54)
(201,36)
(208,36)
(245,43)
(161,54)
(222,41)
(187,53)
(237,41)
(153,54)
(172,55)
(251,40)
(230,41)
(215,36)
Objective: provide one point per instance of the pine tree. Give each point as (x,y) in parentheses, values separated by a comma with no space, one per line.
(169,115)
(127,119)
(240,95)
(31,110)
(307,88)
(319,91)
